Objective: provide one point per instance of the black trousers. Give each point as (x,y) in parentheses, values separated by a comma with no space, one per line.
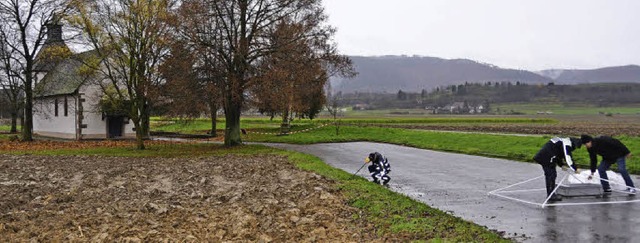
(550,175)
(378,174)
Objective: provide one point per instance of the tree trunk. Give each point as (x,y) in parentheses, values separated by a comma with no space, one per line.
(14,122)
(21,121)
(214,117)
(232,124)
(137,124)
(27,129)
(232,110)
(337,123)
(146,130)
(285,126)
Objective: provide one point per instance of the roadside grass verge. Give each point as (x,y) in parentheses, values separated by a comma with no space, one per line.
(520,148)
(392,214)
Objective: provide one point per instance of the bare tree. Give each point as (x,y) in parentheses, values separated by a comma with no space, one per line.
(24,27)
(200,45)
(131,39)
(189,85)
(10,82)
(290,77)
(181,86)
(237,32)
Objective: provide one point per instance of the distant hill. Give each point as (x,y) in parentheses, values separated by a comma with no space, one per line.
(621,74)
(414,73)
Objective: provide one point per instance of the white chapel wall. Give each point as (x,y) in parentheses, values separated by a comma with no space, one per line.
(93,117)
(45,121)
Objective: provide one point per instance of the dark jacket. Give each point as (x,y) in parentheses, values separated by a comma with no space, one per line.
(379,164)
(555,151)
(609,148)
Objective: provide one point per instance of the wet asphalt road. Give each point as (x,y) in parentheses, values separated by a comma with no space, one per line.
(460,184)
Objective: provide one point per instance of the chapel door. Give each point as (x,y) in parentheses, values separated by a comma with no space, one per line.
(115,125)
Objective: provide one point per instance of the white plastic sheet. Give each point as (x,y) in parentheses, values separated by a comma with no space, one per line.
(615,180)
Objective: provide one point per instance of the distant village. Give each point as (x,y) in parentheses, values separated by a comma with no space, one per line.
(453,108)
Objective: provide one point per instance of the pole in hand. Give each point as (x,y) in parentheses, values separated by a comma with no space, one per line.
(354,174)
(365,163)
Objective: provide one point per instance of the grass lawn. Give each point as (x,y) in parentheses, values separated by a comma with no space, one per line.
(202,126)
(566,109)
(390,212)
(7,128)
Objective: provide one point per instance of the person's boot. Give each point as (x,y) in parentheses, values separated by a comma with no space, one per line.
(550,186)
(555,198)
(631,191)
(549,189)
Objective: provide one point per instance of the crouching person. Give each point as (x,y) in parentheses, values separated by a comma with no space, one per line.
(553,153)
(379,168)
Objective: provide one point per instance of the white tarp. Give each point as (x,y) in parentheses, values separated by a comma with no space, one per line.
(615,180)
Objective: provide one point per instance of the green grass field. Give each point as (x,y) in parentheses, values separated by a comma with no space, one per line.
(390,212)
(566,109)
(201,126)
(6,128)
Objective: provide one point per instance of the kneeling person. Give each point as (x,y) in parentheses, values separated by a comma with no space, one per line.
(379,168)
(553,153)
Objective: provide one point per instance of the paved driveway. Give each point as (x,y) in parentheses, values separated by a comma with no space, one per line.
(460,183)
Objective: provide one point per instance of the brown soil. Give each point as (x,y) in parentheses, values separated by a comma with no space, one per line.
(230,198)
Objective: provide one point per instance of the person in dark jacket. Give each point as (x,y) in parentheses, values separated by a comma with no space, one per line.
(612,151)
(379,168)
(553,153)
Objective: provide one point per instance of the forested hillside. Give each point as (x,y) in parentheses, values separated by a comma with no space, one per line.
(414,73)
(391,73)
(622,74)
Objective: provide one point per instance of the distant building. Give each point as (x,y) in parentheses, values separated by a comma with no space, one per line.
(358,107)
(477,109)
(458,108)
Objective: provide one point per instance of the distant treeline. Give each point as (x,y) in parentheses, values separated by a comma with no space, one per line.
(474,94)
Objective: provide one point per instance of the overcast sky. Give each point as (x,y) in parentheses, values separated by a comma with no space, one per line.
(522,34)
